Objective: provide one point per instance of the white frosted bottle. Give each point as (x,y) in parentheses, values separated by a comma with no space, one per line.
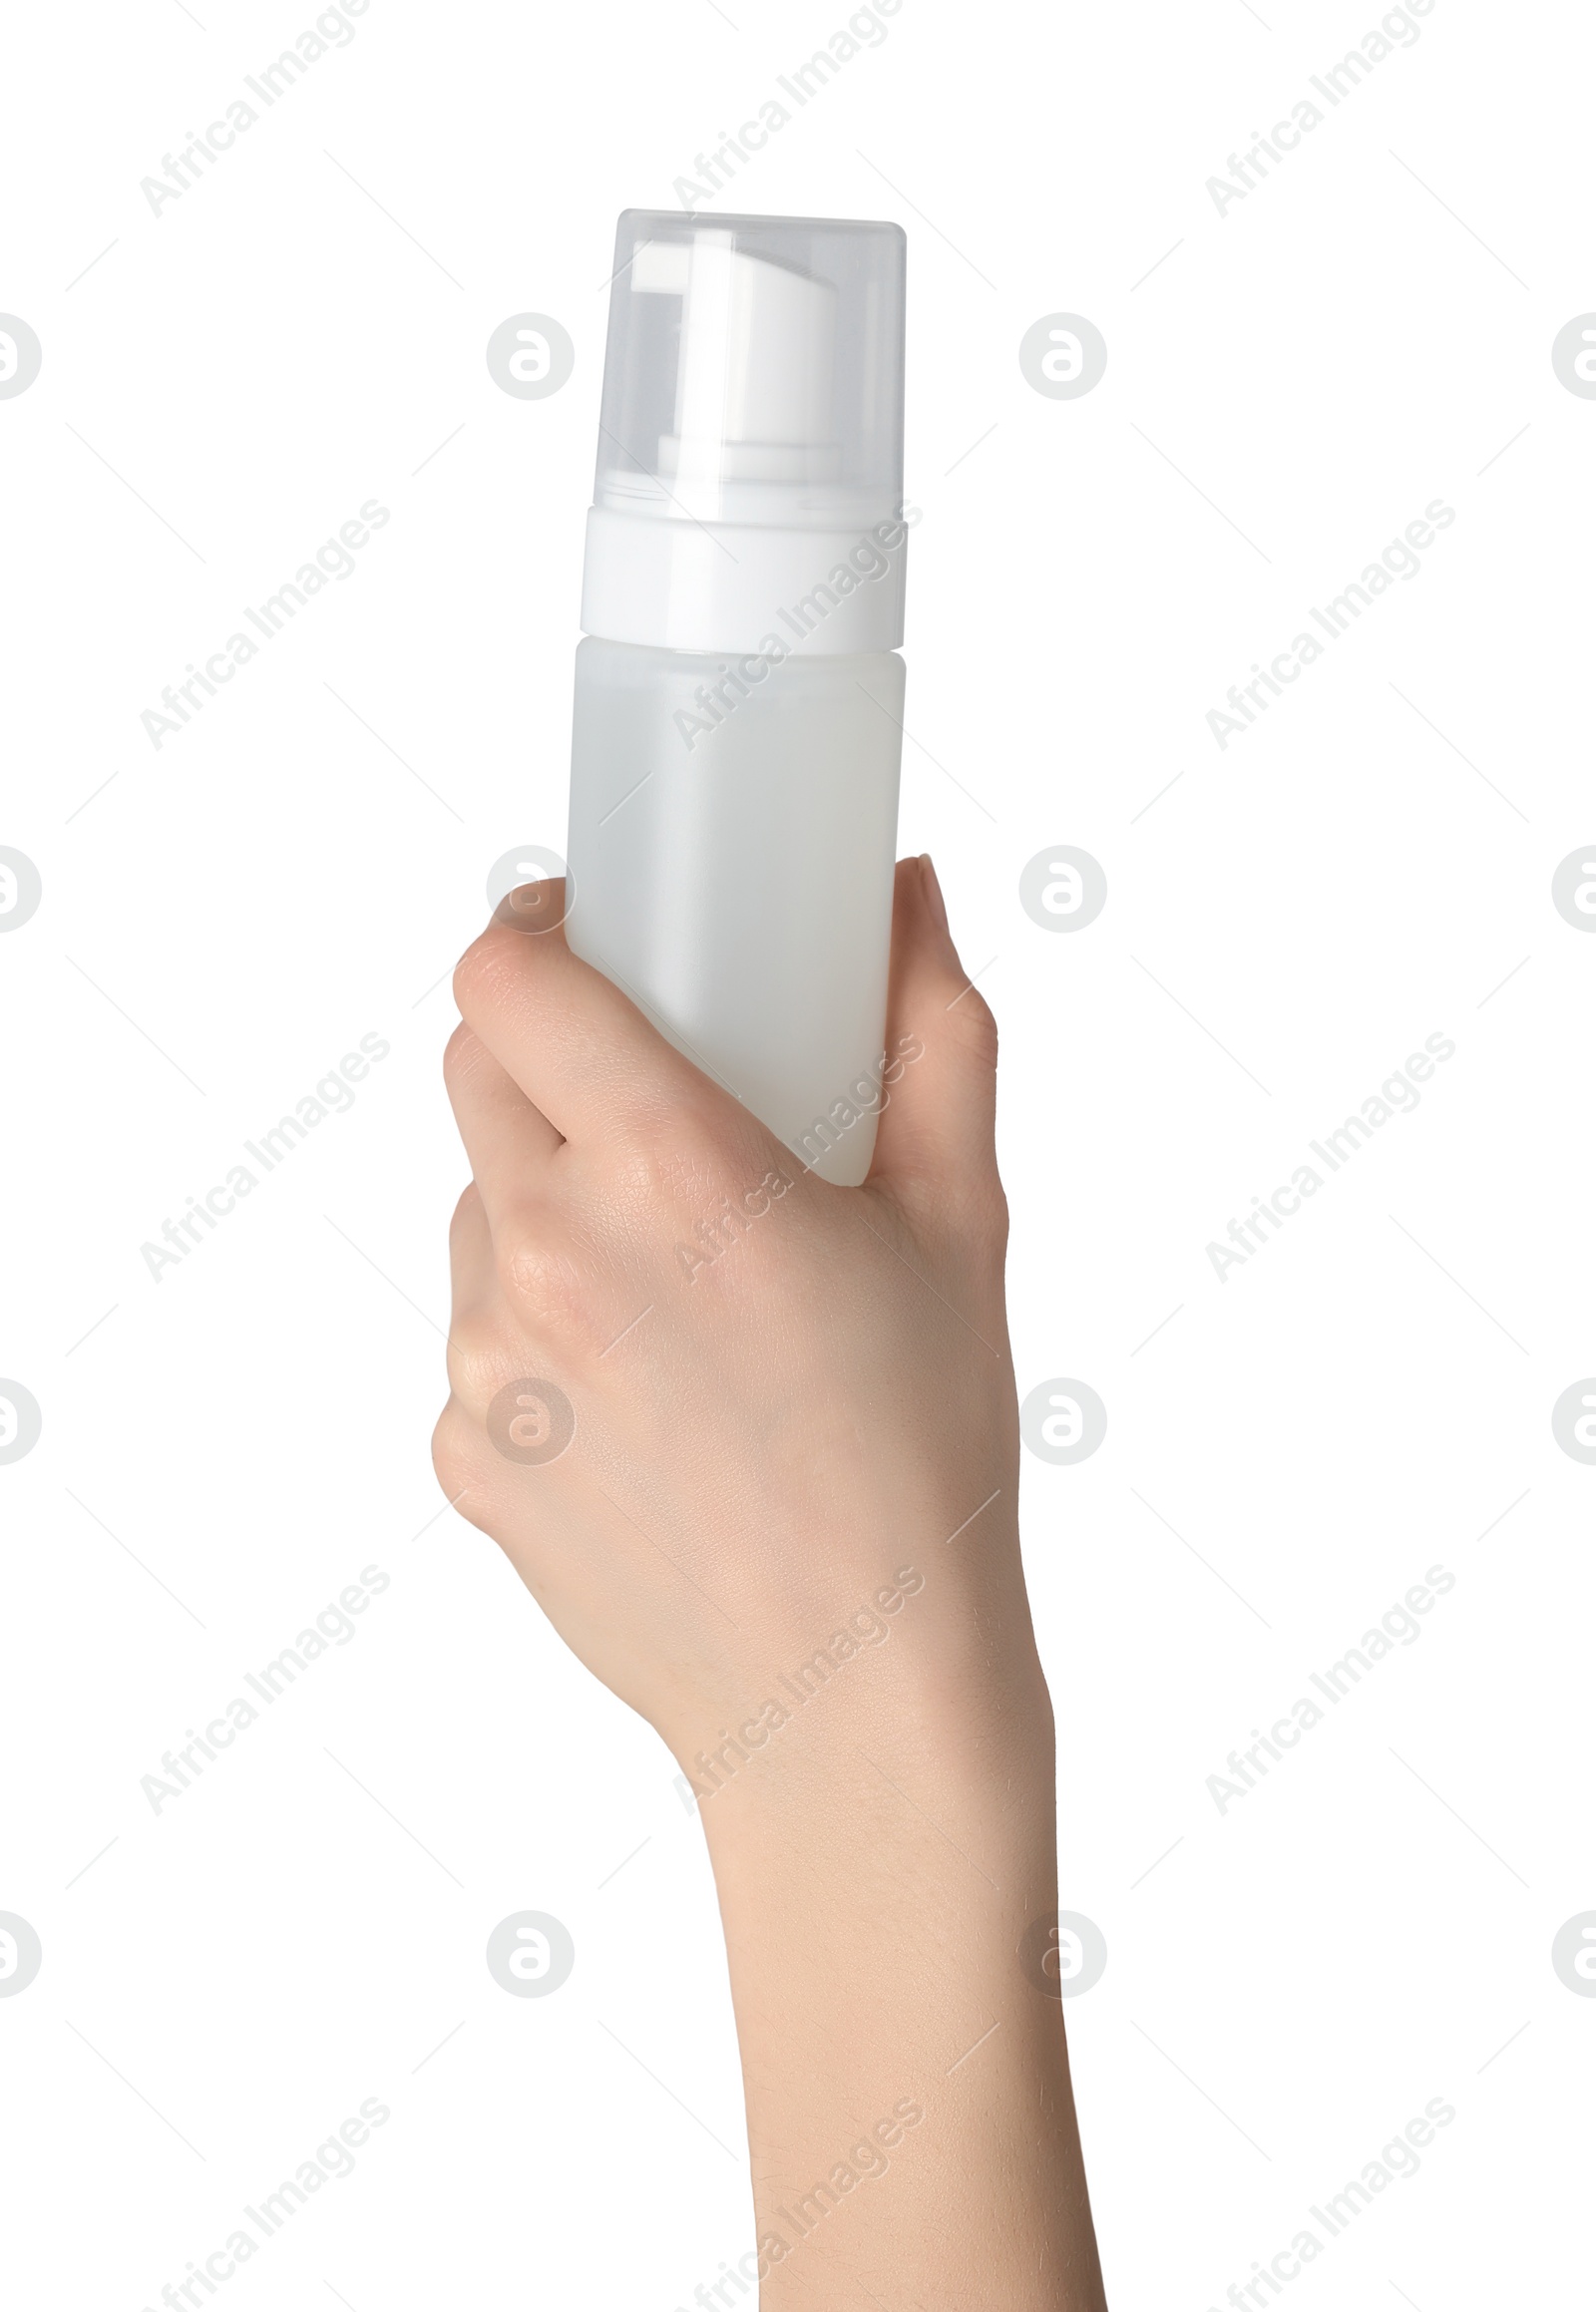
(739,701)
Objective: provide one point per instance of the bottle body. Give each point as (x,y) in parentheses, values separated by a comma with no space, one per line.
(733,826)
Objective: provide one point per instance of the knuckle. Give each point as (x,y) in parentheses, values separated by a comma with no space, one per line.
(459,1055)
(484,969)
(643,1169)
(466,1216)
(543,1286)
(467,979)
(457,1459)
(669,1154)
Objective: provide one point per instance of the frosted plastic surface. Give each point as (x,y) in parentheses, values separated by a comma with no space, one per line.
(739,889)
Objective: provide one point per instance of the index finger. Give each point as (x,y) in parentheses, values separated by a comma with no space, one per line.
(579,1048)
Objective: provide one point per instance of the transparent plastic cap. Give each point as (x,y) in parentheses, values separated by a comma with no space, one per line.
(754,372)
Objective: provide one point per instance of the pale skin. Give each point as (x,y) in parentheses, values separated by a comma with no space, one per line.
(770,1445)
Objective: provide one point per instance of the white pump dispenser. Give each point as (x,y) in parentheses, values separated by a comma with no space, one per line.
(738,709)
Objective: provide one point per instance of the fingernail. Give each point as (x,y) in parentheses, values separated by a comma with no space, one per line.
(934,897)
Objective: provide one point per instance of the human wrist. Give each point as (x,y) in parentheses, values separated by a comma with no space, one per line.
(985,1746)
(901,2061)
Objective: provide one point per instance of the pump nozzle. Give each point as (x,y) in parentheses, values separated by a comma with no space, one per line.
(752,412)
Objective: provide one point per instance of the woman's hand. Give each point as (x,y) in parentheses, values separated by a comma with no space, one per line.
(785,1393)
(752,1442)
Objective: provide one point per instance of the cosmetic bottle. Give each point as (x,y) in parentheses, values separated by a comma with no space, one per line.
(739,696)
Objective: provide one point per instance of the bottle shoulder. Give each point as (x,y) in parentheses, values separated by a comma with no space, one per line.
(641,665)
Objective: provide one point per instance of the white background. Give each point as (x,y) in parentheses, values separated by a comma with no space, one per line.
(1288,1983)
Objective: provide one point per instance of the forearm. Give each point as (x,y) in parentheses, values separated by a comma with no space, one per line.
(777,1516)
(910,2116)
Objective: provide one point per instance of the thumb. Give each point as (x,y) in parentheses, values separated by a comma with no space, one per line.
(935,1136)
